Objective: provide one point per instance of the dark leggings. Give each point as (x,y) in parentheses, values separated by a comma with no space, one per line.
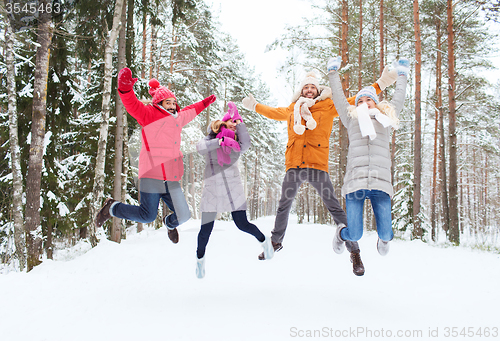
(239,218)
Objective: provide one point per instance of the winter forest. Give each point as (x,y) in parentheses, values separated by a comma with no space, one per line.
(67,143)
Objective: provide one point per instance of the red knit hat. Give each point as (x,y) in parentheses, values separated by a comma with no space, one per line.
(159,92)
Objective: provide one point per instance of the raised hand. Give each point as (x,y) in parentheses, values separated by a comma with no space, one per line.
(402,67)
(387,78)
(209,100)
(334,64)
(233,112)
(249,102)
(125,80)
(228,144)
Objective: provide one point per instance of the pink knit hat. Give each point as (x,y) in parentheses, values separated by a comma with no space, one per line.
(160,92)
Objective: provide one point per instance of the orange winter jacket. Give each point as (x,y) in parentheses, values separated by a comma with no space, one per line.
(311,149)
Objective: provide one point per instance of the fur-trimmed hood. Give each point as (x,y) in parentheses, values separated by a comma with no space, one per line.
(324,93)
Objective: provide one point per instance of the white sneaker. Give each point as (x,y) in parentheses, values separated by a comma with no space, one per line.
(200,267)
(382,247)
(268,248)
(338,243)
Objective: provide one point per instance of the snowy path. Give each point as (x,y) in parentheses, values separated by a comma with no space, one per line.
(146,289)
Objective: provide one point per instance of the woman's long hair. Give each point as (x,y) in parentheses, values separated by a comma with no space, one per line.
(216,127)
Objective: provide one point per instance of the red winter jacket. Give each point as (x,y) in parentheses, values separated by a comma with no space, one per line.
(160,156)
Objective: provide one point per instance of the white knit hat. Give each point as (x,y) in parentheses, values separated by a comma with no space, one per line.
(310,79)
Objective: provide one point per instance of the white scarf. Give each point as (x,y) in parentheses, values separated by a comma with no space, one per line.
(365,121)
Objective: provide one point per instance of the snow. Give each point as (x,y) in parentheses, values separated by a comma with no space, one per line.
(145,289)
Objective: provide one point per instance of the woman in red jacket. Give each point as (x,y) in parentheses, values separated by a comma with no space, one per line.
(160,160)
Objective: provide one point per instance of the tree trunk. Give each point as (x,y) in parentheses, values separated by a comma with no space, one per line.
(454,233)
(442,165)
(417,162)
(434,176)
(300,208)
(360,47)
(381,34)
(192,185)
(255,194)
(152,52)
(130,50)
(485,194)
(172,63)
(98,188)
(15,152)
(49,244)
(308,203)
(343,138)
(116,227)
(125,165)
(438,157)
(130,53)
(144,37)
(35,163)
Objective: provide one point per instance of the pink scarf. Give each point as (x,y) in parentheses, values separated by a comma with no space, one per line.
(223,153)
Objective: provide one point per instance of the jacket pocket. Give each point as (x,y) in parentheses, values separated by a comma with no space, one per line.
(317,153)
(289,150)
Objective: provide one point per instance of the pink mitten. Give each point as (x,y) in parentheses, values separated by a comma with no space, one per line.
(232,113)
(229,143)
(224,151)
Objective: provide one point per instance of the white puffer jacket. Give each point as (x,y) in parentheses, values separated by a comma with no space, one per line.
(368,161)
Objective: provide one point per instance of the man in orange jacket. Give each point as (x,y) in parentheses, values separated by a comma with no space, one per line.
(310,121)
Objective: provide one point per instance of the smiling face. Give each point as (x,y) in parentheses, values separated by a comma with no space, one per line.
(170,105)
(365,99)
(310,91)
(231,125)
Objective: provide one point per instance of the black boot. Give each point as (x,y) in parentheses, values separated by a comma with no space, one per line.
(276,247)
(357,264)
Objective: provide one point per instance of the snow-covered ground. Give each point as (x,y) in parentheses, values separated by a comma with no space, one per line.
(145,289)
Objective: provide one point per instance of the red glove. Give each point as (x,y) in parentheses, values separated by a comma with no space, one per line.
(209,100)
(125,80)
(228,144)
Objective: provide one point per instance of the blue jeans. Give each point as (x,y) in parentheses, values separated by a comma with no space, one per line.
(381,204)
(147,211)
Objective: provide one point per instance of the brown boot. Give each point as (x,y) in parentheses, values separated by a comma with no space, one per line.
(103,215)
(173,235)
(357,264)
(276,247)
